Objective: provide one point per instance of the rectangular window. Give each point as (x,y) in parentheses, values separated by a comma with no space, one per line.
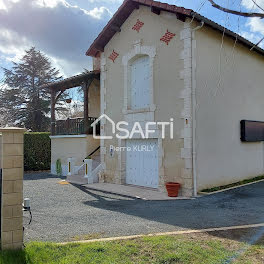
(252,131)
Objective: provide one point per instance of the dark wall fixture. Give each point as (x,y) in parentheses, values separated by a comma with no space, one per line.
(252,131)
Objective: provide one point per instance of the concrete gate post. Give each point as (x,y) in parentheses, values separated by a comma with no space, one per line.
(12,153)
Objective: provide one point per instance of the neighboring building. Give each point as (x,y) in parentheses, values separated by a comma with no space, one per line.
(160,61)
(73,137)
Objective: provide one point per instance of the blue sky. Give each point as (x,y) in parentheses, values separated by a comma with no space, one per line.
(64,29)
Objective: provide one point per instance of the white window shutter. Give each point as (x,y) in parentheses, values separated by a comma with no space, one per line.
(140,83)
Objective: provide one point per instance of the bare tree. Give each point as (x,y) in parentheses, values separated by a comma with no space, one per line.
(238,13)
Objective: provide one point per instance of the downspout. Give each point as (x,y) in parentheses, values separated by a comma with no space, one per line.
(194,109)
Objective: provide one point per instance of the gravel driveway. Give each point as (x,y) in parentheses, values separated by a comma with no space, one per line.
(68,212)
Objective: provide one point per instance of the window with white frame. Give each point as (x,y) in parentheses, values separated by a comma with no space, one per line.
(139,83)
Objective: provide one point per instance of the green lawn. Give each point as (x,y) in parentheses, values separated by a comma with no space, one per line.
(196,248)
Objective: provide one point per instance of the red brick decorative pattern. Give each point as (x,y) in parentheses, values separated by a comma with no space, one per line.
(168,37)
(138,25)
(113,56)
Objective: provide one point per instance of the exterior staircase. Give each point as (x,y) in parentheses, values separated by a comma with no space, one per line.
(93,167)
(77,178)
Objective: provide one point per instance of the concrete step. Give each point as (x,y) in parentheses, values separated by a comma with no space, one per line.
(97,156)
(77,179)
(95,164)
(81,172)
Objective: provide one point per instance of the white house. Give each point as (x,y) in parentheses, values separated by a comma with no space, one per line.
(160,62)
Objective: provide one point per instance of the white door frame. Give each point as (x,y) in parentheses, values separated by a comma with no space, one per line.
(122,158)
(137,51)
(153,163)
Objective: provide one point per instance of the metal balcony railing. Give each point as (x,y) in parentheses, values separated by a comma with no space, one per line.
(75,126)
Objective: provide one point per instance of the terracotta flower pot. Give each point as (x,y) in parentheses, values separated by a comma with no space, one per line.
(173,189)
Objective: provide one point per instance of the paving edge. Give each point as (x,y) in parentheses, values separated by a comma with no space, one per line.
(190,231)
(231,188)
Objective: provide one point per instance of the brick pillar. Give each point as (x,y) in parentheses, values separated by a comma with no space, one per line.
(12,188)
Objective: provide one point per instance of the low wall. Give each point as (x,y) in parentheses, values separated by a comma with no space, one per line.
(77,147)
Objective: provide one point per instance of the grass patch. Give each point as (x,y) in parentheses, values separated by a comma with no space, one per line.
(13,257)
(214,189)
(194,249)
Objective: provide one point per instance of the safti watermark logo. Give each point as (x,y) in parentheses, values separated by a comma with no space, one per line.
(121,129)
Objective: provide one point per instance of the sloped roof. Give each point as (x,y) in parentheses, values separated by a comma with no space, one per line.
(129,6)
(73,81)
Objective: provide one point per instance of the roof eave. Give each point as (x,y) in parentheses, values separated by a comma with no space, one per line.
(228,32)
(93,49)
(71,82)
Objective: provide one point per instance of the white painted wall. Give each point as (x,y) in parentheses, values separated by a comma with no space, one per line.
(229,88)
(77,147)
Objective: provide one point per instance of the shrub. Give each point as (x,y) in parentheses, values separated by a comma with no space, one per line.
(37,151)
(58,167)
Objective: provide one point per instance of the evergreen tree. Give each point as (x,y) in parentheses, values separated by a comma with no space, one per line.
(23,100)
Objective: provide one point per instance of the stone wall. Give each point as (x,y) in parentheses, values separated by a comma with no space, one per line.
(12,151)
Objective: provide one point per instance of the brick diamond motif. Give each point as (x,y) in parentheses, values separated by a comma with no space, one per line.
(138,25)
(168,37)
(113,56)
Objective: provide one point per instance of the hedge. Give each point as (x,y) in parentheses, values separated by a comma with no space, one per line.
(37,151)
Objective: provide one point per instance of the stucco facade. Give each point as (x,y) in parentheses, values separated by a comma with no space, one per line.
(205,81)
(229,88)
(197,76)
(171,74)
(94,99)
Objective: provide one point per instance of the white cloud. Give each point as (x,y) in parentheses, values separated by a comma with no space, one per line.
(250,36)
(62,31)
(48,3)
(100,12)
(256,25)
(106,1)
(12,45)
(249,4)
(4,4)
(253,37)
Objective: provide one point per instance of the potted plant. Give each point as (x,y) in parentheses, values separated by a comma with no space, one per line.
(172,188)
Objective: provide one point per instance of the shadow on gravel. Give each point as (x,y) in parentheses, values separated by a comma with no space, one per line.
(241,206)
(41,176)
